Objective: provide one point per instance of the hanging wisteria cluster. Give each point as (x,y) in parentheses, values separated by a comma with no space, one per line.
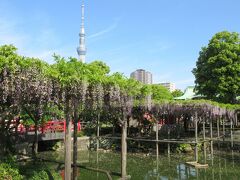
(202,108)
(31,86)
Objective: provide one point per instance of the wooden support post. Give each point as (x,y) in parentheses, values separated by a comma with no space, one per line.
(219,167)
(236,120)
(213,177)
(212,159)
(157,163)
(223,129)
(157,139)
(168,139)
(197,173)
(225,164)
(233,164)
(124,151)
(179,172)
(157,151)
(98,134)
(211,137)
(196,138)
(187,171)
(218,132)
(205,174)
(67,158)
(204,143)
(97,164)
(98,130)
(231,126)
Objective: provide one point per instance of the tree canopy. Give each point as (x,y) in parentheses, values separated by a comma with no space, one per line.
(33,89)
(177,93)
(159,92)
(217,69)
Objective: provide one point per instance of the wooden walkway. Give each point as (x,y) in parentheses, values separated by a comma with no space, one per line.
(197,165)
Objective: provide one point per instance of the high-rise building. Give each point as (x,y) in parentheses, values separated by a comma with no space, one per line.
(142,76)
(170,86)
(81,50)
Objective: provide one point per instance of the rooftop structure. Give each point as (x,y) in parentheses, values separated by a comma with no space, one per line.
(189,93)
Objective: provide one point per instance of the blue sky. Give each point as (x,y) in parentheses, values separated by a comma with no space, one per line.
(161,36)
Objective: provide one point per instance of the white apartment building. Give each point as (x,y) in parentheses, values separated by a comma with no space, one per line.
(170,86)
(142,76)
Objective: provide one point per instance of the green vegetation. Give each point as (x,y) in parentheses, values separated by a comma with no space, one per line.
(9,172)
(33,91)
(81,134)
(10,169)
(217,70)
(186,148)
(177,93)
(159,93)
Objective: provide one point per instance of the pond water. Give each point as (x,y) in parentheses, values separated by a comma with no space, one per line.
(223,165)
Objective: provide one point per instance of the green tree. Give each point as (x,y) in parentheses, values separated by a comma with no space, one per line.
(177,93)
(217,70)
(8,105)
(159,93)
(72,78)
(36,92)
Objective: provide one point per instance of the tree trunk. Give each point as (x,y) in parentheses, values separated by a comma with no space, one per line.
(113,130)
(75,168)
(36,118)
(35,142)
(67,157)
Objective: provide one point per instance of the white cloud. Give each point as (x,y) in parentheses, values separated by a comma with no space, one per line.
(104,31)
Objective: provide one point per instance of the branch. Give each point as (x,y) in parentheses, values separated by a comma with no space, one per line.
(121,122)
(30,115)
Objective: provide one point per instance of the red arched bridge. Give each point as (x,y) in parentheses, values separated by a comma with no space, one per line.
(51,130)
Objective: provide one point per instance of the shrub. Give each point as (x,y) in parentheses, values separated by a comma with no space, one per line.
(81,134)
(7,172)
(41,175)
(185,148)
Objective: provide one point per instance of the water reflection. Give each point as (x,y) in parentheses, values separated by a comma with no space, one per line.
(154,174)
(221,166)
(184,172)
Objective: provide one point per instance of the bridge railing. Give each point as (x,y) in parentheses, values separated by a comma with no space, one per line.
(48,127)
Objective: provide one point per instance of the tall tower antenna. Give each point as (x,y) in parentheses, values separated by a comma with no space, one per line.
(81,50)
